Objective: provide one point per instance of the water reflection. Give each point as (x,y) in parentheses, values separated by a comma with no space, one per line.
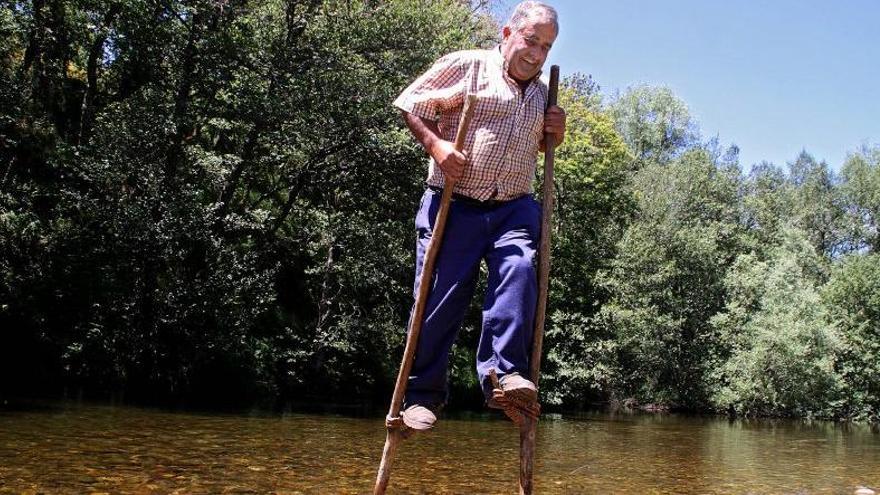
(125,450)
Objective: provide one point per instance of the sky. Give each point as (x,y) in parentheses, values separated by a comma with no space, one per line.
(773,77)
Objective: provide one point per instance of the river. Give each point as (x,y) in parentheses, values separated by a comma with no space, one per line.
(69,448)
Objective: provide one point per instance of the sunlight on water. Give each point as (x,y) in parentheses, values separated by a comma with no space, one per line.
(88,449)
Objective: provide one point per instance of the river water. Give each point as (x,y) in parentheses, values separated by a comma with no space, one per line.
(109,449)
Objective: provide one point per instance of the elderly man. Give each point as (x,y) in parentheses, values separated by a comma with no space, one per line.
(493,215)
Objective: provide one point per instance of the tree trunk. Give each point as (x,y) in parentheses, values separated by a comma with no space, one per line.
(33,52)
(228,193)
(296,20)
(88,105)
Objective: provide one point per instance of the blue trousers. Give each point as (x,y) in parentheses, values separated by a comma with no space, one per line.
(506,237)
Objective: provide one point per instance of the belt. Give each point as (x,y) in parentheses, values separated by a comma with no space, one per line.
(461,198)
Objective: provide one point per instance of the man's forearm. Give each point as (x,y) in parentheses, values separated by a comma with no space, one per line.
(425,131)
(450,161)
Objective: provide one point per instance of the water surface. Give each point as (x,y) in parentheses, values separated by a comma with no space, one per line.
(103,449)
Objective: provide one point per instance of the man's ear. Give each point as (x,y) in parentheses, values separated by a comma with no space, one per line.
(505,32)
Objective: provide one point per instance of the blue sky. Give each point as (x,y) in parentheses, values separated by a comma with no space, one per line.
(773,77)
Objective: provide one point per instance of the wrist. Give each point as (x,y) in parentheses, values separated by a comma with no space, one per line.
(430,145)
(435,148)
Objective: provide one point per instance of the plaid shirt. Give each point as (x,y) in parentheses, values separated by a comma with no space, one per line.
(506,130)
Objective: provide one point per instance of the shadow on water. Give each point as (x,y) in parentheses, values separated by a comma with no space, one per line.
(17,405)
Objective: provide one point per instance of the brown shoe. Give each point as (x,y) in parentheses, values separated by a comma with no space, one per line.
(518,389)
(419,418)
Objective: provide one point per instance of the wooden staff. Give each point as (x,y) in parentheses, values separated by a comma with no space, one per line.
(393,422)
(528,426)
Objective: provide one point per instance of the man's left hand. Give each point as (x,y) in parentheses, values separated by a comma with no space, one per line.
(554,123)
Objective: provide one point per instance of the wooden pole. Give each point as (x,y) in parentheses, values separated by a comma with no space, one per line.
(395,432)
(528,426)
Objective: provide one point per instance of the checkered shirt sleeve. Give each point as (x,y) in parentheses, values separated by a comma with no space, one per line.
(438,90)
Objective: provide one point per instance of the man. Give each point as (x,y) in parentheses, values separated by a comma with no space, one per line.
(493,215)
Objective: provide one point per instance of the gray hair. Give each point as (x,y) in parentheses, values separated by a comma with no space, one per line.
(530,10)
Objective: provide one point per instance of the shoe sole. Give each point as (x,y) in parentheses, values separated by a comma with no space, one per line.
(525,396)
(419,426)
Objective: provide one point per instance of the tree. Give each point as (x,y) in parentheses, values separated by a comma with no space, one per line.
(655,124)
(592,210)
(852,299)
(667,278)
(201,199)
(767,205)
(777,351)
(816,207)
(860,189)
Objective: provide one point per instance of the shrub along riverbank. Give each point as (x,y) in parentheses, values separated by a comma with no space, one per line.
(213,201)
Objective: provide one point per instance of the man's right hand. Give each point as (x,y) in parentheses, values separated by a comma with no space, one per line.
(443,152)
(451,161)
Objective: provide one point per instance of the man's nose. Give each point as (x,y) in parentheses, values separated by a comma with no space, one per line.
(539,52)
(539,56)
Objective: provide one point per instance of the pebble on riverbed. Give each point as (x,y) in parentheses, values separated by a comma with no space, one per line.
(861,490)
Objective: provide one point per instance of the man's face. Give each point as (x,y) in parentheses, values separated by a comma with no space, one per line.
(526,49)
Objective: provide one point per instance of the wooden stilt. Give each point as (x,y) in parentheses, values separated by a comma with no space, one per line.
(529,425)
(393,422)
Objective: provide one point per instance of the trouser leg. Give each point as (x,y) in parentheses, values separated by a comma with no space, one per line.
(511,292)
(452,289)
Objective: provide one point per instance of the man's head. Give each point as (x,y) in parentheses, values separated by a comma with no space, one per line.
(527,38)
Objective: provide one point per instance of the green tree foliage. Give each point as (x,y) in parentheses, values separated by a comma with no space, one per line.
(807,197)
(767,205)
(852,297)
(861,196)
(592,210)
(776,351)
(667,278)
(203,197)
(815,204)
(655,124)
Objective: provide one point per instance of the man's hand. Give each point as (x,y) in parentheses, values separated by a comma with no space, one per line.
(443,152)
(451,161)
(554,123)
